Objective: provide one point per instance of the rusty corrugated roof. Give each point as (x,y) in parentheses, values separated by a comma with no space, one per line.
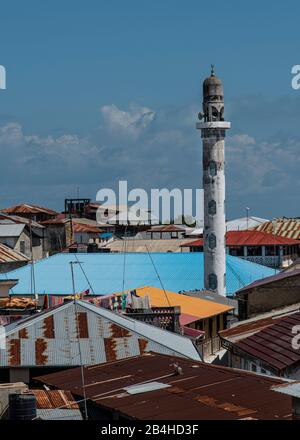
(80,227)
(51,338)
(28,209)
(273,345)
(52,399)
(243,329)
(202,391)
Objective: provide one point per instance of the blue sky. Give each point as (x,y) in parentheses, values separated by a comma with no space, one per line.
(81,76)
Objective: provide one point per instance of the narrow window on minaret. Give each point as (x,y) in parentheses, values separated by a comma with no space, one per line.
(212,241)
(212,207)
(212,168)
(213,281)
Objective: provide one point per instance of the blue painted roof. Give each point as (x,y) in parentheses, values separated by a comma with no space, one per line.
(178,271)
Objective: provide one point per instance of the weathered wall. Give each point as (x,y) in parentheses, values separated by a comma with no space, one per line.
(6,267)
(274,295)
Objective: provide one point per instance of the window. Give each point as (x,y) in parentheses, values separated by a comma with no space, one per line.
(271,250)
(22,247)
(212,241)
(254,251)
(253,367)
(237,251)
(212,168)
(213,281)
(212,207)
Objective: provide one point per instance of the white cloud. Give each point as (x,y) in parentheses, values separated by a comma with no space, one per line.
(131,122)
(149,148)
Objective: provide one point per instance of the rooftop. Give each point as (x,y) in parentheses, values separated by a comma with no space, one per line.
(166,228)
(271,342)
(250,238)
(214,297)
(11,229)
(201,392)
(290,389)
(17,219)
(104,273)
(284,227)
(240,224)
(191,306)
(141,245)
(268,280)
(51,338)
(28,209)
(56,405)
(8,255)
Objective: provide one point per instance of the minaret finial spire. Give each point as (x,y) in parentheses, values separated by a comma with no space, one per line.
(212,69)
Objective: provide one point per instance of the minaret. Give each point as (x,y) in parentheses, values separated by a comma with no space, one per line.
(213,128)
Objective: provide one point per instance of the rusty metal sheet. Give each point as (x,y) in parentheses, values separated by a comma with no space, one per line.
(14,352)
(48,327)
(82,322)
(41,357)
(202,391)
(23,334)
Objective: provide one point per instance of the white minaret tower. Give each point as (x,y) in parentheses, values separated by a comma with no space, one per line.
(213,128)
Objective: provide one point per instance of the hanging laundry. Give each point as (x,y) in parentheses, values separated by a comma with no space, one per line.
(140,302)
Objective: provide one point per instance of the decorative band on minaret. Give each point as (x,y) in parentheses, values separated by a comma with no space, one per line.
(213,135)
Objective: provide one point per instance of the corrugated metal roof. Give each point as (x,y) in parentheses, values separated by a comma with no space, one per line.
(212,296)
(51,338)
(249,238)
(28,209)
(59,414)
(177,271)
(284,227)
(11,230)
(185,319)
(17,219)
(78,227)
(201,308)
(56,405)
(243,223)
(51,399)
(201,392)
(193,333)
(8,255)
(246,328)
(290,389)
(273,345)
(142,245)
(167,228)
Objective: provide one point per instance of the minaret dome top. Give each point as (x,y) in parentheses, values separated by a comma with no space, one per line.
(212,88)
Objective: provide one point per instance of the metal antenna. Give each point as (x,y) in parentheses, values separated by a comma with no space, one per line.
(212,70)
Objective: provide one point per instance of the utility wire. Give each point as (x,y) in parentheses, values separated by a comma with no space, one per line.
(84,274)
(161,283)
